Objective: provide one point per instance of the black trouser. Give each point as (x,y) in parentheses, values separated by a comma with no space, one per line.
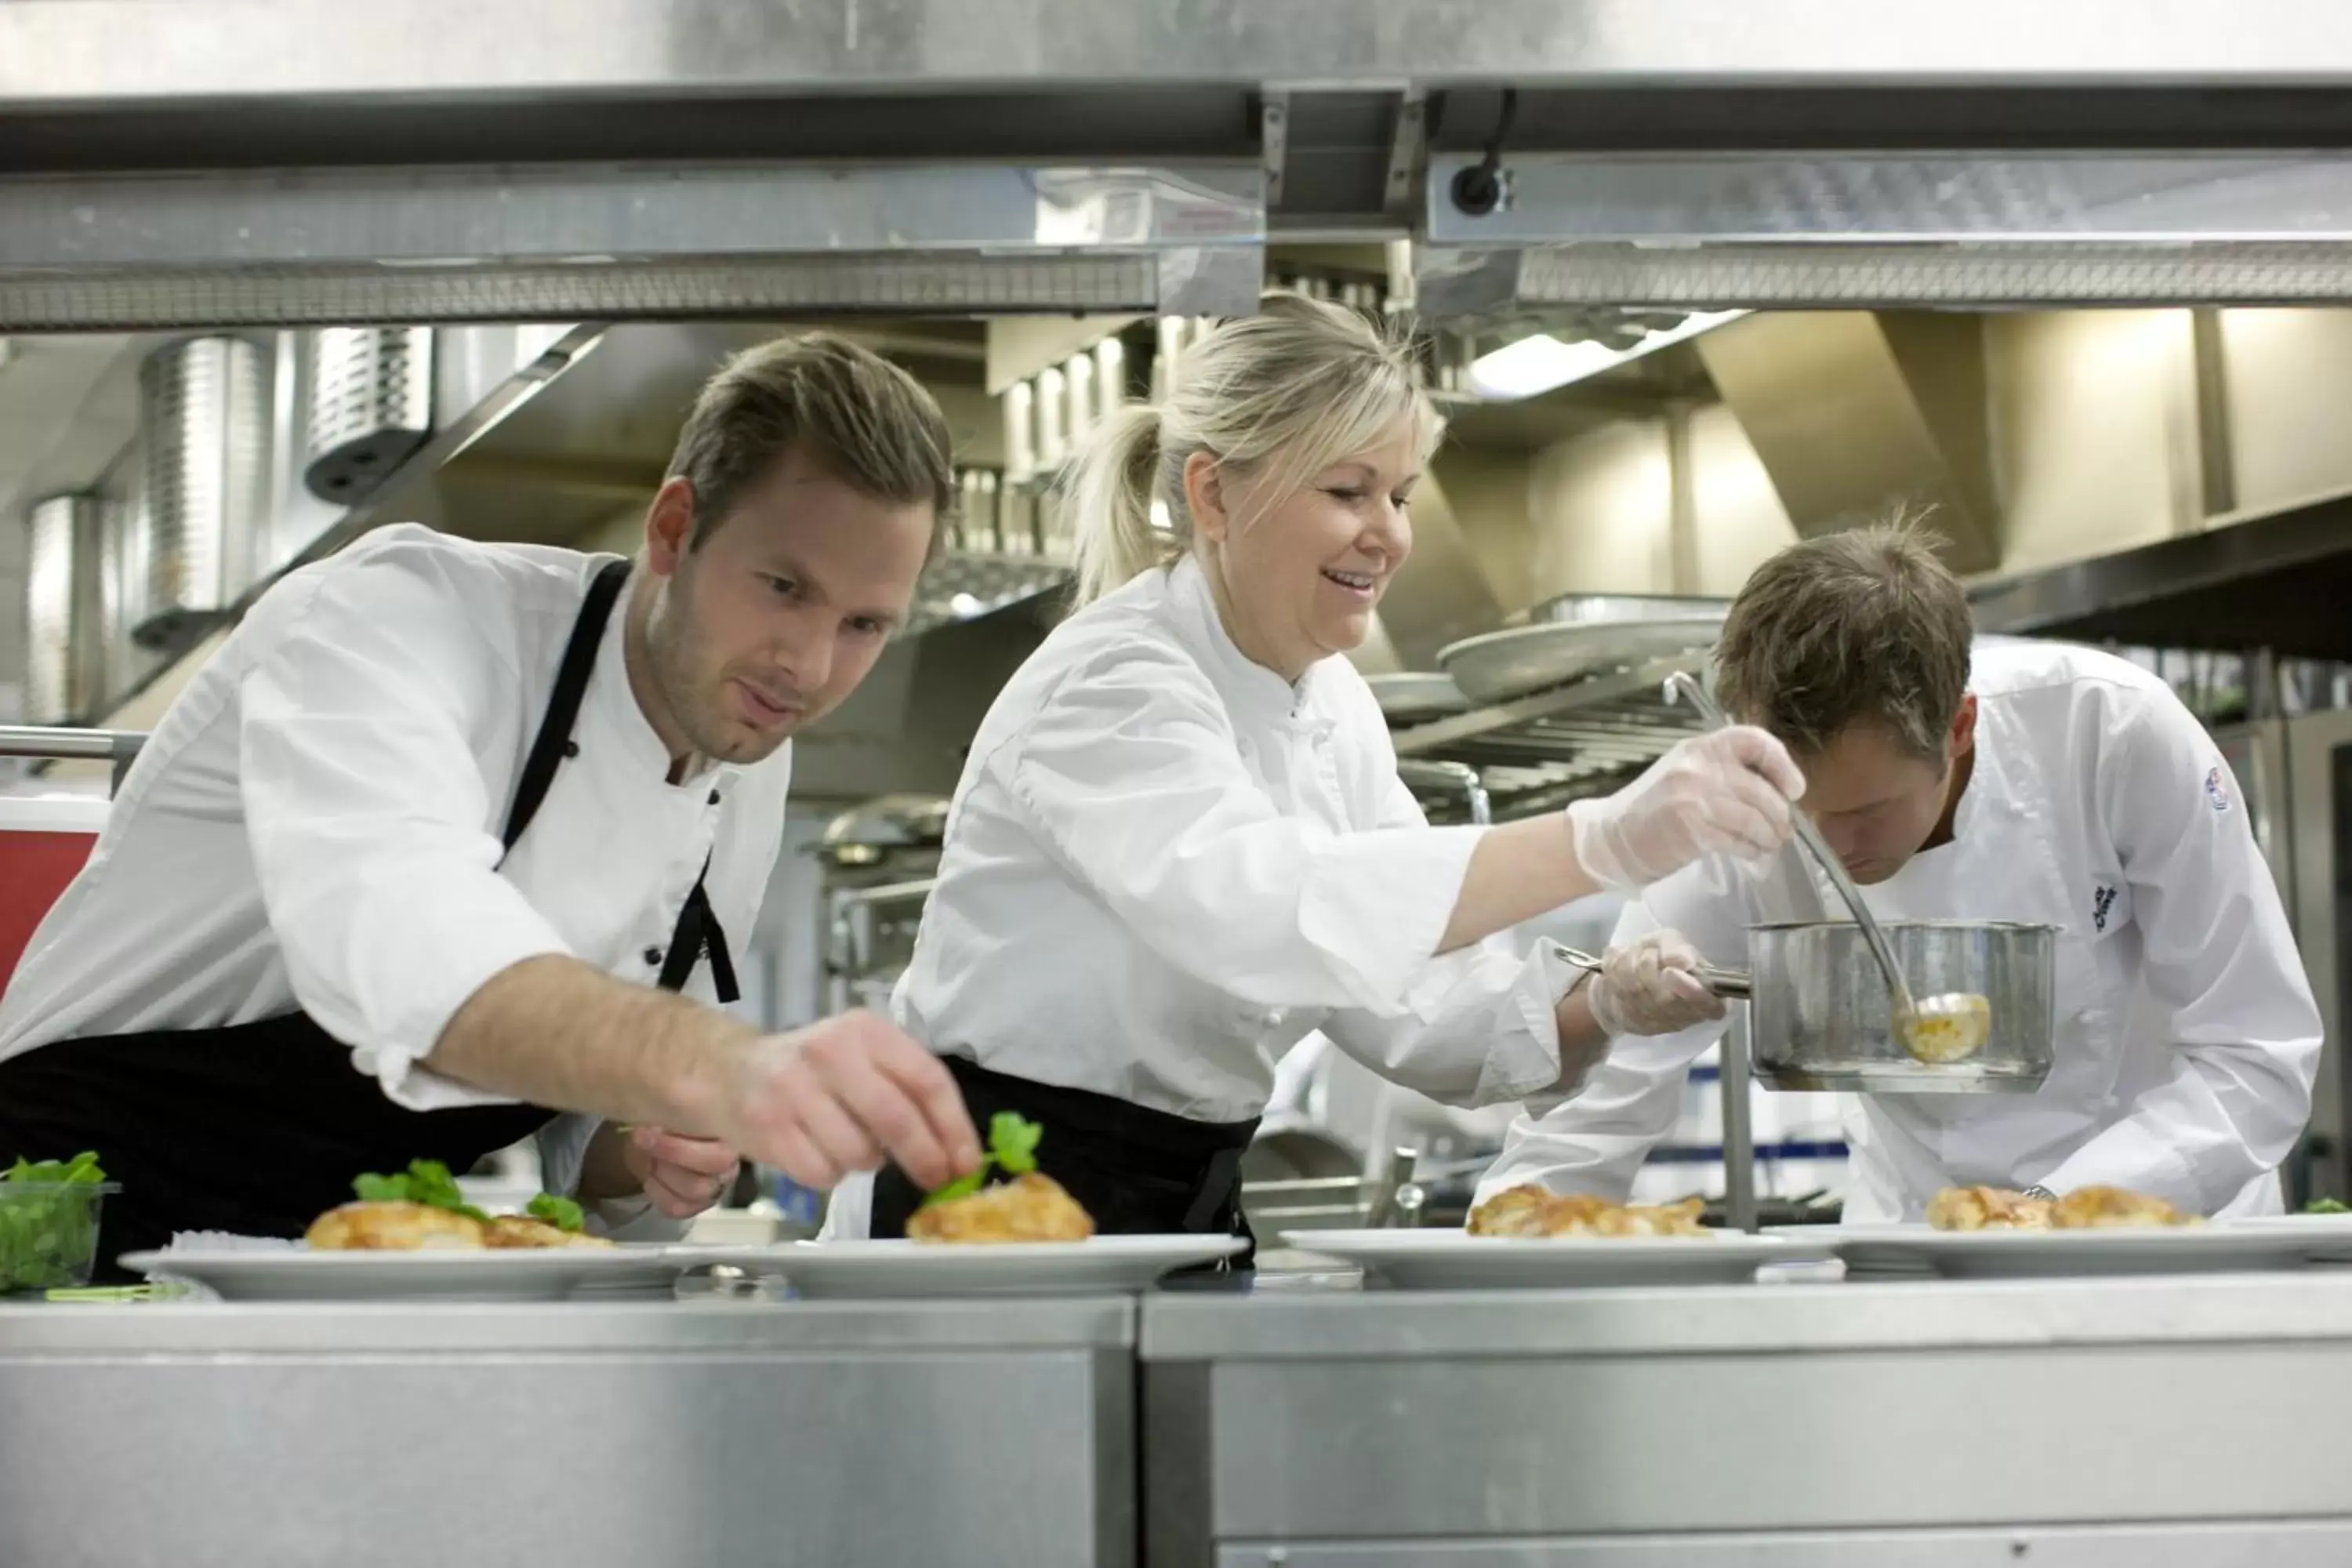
(255,1128)
(1138,1171)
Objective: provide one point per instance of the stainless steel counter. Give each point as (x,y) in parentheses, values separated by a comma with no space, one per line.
(2166,1423)
(794,1434)
(2159,1422)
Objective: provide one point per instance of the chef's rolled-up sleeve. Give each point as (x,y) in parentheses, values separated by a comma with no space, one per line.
(2219,960)
(1131,776)
(366,809)
(1476,1027)
(1594,1137)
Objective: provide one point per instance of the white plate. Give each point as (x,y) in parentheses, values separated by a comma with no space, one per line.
(432,1275)
(2329,1236)
(1453,1260)
(1102,1265)
(1496,667)
(1882,1249)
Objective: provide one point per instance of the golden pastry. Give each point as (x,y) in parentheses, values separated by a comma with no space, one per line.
(392,1226)
(1988,1208)
(1531,1211)
(516,1230)
(1031,1207)
(2112,1208)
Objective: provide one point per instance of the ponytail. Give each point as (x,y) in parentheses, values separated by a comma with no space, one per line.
(1108,500)
(1286,392)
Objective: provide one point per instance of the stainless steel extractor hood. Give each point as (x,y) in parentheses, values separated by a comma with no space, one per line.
(1863,230)
(624,243)
(1858,414)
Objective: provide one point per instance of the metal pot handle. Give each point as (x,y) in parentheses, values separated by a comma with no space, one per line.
(1731,983)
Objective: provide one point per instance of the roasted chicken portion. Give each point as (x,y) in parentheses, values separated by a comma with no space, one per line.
(1530,1211)
(1031,1207)
(1513,1211)
(393,1228)
(1988,1208)
(2112,1208)
(2086,1208)
(512,1230)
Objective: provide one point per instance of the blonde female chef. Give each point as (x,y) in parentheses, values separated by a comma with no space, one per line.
(1180,842)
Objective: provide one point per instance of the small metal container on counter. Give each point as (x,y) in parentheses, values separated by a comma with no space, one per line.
(1819,1019)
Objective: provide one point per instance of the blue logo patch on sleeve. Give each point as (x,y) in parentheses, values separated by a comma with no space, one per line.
(2217,788)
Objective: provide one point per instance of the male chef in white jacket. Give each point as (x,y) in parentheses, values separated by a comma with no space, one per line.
(427,851)
(2016,781)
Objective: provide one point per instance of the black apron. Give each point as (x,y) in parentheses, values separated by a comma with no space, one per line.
(1138,1171)
(258,1128)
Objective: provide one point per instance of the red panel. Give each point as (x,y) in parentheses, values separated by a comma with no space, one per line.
(33,869)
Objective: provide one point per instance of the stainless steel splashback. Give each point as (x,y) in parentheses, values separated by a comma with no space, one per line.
(205,415)
(371,404)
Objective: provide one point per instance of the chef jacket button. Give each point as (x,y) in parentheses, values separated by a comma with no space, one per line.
(652,955)
(714,797)
(1273,1017)
(571,748)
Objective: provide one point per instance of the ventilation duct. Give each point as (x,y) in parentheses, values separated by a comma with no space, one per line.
(371,407)
(65,608)
(124,555)
(205,415)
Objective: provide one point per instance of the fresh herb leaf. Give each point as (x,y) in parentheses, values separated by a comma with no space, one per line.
(961,1187)
(558,1211)
(376,1189)
(48,1222)
(2327,1206)
(1013,1142)
(81,1168)
(1013,1139)
(426,1182)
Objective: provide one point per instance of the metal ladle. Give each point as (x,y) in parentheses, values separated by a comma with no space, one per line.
(1946,1029)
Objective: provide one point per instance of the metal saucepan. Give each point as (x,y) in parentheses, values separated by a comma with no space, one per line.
(1819,1017)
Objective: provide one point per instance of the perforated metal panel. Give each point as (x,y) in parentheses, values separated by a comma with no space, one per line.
(1815,275)
(204,417)
(371,405)
(123,550)
(32,302)
(67,599)
(48,610)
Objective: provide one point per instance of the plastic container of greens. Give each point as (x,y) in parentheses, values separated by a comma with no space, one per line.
(48,1225)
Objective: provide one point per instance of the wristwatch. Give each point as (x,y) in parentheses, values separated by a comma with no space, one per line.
(2041,1193)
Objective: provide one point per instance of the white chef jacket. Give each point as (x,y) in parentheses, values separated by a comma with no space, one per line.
(315,824)
(1165,864)
(2186,1036)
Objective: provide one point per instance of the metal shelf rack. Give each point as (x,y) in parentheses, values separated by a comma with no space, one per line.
(1537,752)
(964,584)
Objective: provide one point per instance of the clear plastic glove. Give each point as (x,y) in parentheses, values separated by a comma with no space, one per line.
(1651,987)
(1727,791)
